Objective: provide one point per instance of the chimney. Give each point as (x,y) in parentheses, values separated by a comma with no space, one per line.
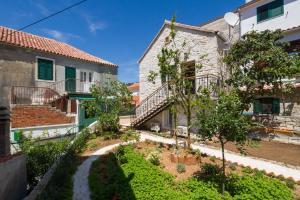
(4,131)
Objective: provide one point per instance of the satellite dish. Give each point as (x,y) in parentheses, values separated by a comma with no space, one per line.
(231,18)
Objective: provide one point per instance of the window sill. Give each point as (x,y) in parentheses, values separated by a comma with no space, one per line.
(41,80)
(265,20)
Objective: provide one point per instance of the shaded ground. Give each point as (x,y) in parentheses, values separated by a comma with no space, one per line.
(281,152)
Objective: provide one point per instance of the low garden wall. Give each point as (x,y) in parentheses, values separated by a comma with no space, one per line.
(13,178)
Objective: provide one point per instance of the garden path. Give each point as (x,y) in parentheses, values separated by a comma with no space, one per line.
(81,189)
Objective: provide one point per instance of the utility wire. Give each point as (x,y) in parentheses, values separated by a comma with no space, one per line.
(49,16)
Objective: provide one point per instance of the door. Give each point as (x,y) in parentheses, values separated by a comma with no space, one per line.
(86,81)
(70,79)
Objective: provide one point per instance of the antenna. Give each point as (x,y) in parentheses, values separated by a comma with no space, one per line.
(232,19)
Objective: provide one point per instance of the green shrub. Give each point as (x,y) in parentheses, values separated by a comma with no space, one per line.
(257,187)
(180,167)
(290,183)
(153,157)
(120,154)
(247,170)
(233,166)
(60,185)
(213,158)
(40,156)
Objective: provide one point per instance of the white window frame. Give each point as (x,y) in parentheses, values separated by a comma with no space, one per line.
(36,69)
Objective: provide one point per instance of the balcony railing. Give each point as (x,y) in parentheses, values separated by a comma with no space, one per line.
(33,95)
(73,86)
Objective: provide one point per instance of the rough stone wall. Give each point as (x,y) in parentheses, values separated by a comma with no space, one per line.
(18,67)
(289,120)
(221,26)
(197,43)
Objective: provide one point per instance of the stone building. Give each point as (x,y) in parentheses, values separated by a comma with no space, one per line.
(44,81)
(209,40)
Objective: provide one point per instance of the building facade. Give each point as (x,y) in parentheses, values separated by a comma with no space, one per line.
(260,15)
(44,81)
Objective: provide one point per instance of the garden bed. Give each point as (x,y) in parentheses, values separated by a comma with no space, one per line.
(131,174)
(270,150)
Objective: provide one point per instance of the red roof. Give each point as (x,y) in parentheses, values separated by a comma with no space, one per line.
(26,40)
(134,86)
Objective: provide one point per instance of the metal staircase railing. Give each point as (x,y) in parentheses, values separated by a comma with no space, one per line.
(158,100)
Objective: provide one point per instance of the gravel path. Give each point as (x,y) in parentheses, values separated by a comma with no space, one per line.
(80,180)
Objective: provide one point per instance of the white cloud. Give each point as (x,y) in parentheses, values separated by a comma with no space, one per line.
(61,36)
(94,25)
(43,9)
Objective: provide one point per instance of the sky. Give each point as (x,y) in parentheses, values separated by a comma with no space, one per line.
(116,30)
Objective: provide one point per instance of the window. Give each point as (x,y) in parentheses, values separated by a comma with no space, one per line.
(82,76)
(90,77)
(266,106)
(45,69)
(270,10)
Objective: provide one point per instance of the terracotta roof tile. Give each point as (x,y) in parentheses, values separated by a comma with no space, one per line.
(26,40)
(134,86)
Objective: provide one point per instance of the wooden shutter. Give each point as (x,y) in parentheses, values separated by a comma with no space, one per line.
(45,69)
(262,13)
(275,106)
(257,106)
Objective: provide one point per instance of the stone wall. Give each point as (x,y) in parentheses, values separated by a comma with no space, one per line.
(18,67)
(13,178)
(221,26)
(198,43)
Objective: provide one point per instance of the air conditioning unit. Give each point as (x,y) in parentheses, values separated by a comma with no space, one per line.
(155,127)
(182,131)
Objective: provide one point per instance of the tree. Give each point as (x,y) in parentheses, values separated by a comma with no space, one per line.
(221,119)
(107,104)
(257,61)
(175,71)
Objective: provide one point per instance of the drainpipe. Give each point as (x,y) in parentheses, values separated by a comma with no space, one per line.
(4,131)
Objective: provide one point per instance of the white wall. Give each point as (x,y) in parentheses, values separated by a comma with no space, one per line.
(290,18)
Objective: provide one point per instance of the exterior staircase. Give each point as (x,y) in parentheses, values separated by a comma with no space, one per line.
(152,105)
(160,99)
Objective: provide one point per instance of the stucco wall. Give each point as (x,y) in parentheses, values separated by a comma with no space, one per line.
(18,67)
(198,43)
(289,19)
(13,178)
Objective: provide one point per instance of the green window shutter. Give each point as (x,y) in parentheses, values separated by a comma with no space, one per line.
(270,10)
(45,69)
(276,106)
(275,8)
(257,107)
(262,13)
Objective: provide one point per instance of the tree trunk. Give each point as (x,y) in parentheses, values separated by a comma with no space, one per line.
(223,166)
(175,125)
(189,128)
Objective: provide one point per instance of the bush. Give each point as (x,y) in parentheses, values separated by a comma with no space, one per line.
(247,170)
(120,154)
(233,166)
(290,183)
(40,157)
(61,183)
(257,187)
(180,167)
(213,158)
(153,157)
